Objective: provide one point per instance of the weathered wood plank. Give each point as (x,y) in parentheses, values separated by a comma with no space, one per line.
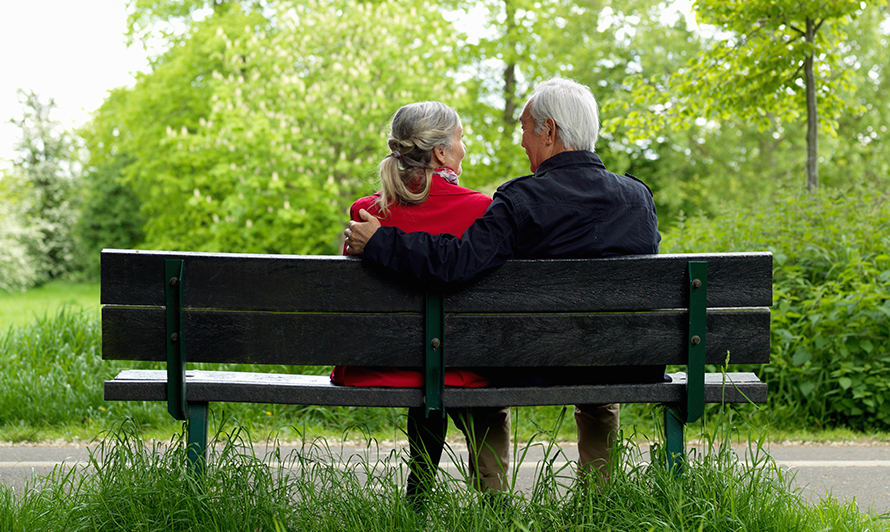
(219,386)
(332,283)
(616,284)
(267,337)
(470,340)
(621,339)
(258,282)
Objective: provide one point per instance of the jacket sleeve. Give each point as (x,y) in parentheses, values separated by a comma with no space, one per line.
(489,242)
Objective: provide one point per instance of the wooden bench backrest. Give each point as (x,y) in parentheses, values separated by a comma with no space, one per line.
(327,310)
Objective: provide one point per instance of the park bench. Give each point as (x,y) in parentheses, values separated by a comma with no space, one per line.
(179,308)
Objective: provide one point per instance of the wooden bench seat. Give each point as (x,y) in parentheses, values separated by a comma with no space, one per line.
(276,388)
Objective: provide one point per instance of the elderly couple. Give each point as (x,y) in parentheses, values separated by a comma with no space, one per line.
(422,223)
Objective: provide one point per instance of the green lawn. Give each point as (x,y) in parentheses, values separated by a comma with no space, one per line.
(23,307)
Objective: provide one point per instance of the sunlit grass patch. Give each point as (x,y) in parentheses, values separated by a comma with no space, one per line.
(23,308)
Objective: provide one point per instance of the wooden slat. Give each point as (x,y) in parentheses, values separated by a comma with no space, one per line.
(218,386)
(331,283)
(616,284)
(470,340)
(258,282)
(602,339)
(267,338)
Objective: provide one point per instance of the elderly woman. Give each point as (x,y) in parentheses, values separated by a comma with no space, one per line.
(419,191)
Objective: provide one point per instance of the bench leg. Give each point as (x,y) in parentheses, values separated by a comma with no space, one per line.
(197,436)
(673,438)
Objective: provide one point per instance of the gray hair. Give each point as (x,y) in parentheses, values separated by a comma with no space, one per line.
(417,129)
(573,108)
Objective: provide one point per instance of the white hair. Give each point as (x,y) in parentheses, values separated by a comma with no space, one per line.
(573,108)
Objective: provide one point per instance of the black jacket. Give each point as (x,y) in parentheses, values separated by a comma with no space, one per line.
(572,207)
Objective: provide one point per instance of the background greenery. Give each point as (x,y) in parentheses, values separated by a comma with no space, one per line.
(258,123)
(830,326)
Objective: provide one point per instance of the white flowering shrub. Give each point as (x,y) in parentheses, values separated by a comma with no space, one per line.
(18,267)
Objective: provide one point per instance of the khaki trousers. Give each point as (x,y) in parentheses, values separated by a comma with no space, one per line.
(487,430)
(597,431)
(597,426)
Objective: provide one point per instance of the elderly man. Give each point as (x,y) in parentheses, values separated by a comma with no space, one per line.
(570,207)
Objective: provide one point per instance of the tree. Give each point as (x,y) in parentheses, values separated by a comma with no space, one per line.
(523,43)
(770,61)
(110,215)
(860,150)
(46,161)
(257,129)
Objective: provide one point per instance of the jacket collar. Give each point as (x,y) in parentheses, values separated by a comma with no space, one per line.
(569,158)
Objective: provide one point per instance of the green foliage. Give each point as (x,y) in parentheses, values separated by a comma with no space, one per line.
(760,55)
(298,94)
(859,150)
(153,21)
(110,216)
(770,63)
(596,43)
(253,134)
(830,333)
(691,168)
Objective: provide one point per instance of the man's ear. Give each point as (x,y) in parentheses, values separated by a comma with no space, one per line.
(550,125)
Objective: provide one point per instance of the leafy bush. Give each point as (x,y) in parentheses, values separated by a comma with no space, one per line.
(830,333)
(110,216)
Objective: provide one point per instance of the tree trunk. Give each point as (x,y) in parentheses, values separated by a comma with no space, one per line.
(812,115)
(510,71)
(510,95)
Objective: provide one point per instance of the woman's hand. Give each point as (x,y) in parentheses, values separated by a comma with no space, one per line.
(358,233)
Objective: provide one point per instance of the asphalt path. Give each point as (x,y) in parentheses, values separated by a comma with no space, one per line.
(857,473)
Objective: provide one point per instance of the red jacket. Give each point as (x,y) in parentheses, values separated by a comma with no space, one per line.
(449,209)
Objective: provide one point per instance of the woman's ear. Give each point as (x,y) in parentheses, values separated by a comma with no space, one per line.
(439,154)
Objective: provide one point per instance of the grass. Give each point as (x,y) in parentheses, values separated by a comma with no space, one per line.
(22,308)
(133,486)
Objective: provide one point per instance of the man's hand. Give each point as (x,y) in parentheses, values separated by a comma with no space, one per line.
(358,233)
